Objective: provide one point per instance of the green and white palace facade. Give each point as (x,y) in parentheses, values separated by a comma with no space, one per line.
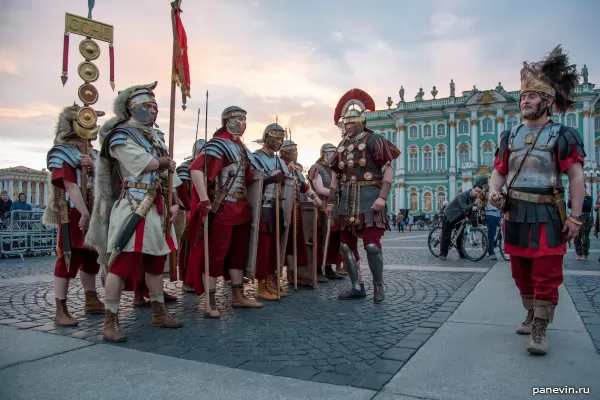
(447,143)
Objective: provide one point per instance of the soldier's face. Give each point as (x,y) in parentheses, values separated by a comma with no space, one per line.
(353,128)
(530,104)
(274,141)
(236,125)
(329,156)
(290,155)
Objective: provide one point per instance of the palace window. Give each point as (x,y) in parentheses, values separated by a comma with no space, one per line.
(488,125)
(441,158)
(427,131)
(412,133)
(413,160)
(441,130)
(427,202)
(463,127)
(571,120)
(414,201)
(395,138)
(511,122)
(441,197)
(487,156)
(597,154)
(597,124)
(427,158)
(464,156)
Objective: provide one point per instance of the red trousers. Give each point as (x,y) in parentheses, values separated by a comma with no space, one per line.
(266,258)
(85,260)
(539,276)
(127,266)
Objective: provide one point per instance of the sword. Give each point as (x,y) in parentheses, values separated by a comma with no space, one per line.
(141,211)
(326,242)
(295,234)
(64,230)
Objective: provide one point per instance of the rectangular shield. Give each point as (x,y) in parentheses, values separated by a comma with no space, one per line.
(254,195)
(310,226)
(286,205)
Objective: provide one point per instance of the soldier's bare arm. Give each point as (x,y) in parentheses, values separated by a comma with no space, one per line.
(77,199)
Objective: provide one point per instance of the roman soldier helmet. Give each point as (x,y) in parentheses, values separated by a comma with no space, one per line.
(288,145)
(273,128)
(134,99)
(352,107)
(197,147)
(552,78)
(69,127)
(324,148)
(229,112)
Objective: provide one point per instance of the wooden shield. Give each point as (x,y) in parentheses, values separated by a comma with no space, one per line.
(286,204)
(254,195)
(310,225)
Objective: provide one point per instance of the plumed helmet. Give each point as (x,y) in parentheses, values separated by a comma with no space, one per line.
(346,111)
(326,147)
(197,147)
(229,112)
(68,127)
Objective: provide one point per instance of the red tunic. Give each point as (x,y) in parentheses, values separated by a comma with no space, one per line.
(59,175)
(501,164)
(302,257)
(183,192)
(230,214)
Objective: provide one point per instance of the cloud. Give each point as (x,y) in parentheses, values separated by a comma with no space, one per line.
(447,24)
(338,36)
(8,62)
(32,110)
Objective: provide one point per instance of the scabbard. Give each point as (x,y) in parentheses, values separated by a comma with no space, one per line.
(200,234)
(66,243)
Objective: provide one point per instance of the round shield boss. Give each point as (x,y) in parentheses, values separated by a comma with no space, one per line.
(88,71)
(87,117)
(88,93)
(89,49)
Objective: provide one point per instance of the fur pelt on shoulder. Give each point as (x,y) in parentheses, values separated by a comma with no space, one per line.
(51,216)
(107,187)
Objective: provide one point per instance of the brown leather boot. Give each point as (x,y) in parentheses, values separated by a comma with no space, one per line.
(63,316)
(212,299)
(239,300)
(161,318)
(264,292)
(525,328)
(543,315)
(273,289)
(93,305)
(111,332)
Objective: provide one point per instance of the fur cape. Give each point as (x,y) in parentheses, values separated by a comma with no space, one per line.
(62,132)
(107,182)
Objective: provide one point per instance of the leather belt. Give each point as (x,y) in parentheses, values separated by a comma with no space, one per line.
(239,196)
(364,183)
(138,185)
(534,198)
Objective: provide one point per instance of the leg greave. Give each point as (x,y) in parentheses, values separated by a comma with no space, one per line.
(350,263)
(375,258)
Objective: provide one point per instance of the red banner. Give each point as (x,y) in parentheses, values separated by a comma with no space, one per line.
(182,66)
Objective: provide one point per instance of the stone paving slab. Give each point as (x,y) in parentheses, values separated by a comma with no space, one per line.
(18,345)
(108,372)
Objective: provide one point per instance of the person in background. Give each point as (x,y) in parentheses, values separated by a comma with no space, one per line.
(582,241)
(411,222)
(492,219)
(462,204)
(5,203)
(401,222)
(21,205)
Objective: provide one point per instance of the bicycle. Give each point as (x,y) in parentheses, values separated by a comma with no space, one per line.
(499,239)
(474,236)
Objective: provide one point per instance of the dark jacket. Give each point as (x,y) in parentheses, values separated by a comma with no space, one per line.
(457,208)
(5,206)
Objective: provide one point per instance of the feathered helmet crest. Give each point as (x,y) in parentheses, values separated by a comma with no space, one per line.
(346,107)
(553,77)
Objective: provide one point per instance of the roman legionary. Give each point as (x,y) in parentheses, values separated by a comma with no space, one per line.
(275,170)
(289,154)
(69,209)
(220,175)
(530,161)
(184,192)
(364,163)
(320,175)
(130,209)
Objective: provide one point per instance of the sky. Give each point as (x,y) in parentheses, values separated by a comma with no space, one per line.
(290,59)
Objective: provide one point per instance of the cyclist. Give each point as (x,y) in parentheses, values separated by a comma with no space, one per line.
(462,204)
(492,219)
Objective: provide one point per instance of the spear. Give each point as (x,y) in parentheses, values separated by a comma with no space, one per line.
(206,258)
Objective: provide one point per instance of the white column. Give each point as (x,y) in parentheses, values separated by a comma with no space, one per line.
(500,119)
(11,189)
(587,136)
(20,186)
(29,197)
(452,187)
(37,193)
(402,195)
(452,149)
(397,202)
(592,149)
(45,193)
(401,165)
(474,138)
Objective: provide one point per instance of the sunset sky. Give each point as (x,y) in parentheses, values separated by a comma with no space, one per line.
(288,58)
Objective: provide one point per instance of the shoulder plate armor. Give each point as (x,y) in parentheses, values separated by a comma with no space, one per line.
(567,138)
(62,153)
(503,144)
(183,171)
(300,176)
(220,147)
(121,135)
(262,161)
(325,174)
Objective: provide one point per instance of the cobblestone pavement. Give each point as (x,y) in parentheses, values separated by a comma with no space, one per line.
(310,335)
